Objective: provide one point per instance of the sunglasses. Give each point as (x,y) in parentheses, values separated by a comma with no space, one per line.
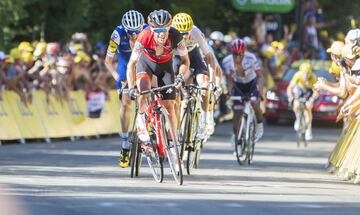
(184,33)
(160,30)
(132,32)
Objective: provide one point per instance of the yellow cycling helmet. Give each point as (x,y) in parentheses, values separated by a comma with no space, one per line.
(305,67)
(182,22)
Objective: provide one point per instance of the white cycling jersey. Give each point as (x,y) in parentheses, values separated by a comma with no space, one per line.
(250,64)
(197,39)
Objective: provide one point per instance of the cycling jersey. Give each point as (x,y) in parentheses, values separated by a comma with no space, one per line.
(250,64)
(121,44)
(299,80)
(146,45)
(197,39)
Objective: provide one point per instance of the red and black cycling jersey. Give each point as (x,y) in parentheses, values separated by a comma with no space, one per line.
(146,45)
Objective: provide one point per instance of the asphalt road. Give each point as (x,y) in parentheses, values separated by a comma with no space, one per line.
(82,177)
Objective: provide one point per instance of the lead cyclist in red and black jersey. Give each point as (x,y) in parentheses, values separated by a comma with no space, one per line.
(152,56)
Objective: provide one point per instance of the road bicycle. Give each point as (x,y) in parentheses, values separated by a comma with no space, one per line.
(161,132)
(245,136)
(191,144)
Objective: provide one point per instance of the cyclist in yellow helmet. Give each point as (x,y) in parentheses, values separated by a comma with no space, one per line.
(300,87)
(195,42)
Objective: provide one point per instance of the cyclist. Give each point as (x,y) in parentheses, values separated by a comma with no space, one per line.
(152,56)
(301,87)
(122,41)
(194,39)
(244,78)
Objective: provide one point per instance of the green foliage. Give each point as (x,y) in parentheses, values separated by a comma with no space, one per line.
(57,20)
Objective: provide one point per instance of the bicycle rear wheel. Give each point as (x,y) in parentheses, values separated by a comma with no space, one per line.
(172,151)
(138,161)
(184,132)
(133,154)
(300,134)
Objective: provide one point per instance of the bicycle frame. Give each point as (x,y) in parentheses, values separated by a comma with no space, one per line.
(248,113)
(153,121)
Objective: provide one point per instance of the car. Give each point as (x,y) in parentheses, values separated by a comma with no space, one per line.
(276,102)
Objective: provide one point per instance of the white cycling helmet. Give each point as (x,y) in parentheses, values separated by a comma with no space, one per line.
(132,20)
(353,37)
(217,35)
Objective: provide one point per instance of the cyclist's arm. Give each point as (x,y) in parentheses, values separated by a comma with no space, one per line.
(135,55)
(185,61)
(205,48)
(339,90)
(291,85)
(260,77)
(113,45)
(230,82)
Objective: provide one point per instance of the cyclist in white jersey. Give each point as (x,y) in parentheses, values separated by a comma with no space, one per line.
(195,42)
(244,78)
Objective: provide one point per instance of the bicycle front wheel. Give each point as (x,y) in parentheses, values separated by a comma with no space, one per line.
(172,150)
(241,144)
(251,142)
(155,162)
(193,152)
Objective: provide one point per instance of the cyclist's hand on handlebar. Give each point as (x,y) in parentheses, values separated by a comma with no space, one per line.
(179,80)
(212,87)
(133,93)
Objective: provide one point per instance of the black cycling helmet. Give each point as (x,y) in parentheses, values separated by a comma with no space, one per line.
(159,19)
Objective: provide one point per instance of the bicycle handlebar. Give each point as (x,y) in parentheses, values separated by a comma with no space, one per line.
(158,89)
(194,86)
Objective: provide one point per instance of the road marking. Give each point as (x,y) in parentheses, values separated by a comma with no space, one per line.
(234,205)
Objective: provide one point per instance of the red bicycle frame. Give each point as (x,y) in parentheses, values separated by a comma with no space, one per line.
(154,122)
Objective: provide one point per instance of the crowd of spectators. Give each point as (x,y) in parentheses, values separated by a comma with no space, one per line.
(54,68)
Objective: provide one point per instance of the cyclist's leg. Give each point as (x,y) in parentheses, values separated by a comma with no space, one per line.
(144,70)
(237,107)
(125,105)
(202,78)
(176,64)
(296,106)
(308,118)
(165,71)
(255,103)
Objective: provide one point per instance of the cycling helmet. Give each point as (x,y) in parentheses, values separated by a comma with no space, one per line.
(182,22)
(305,67)
(238,46)
(159,19)
(217,35)
(132,20)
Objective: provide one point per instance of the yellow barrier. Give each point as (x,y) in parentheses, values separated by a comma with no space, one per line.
(53,119)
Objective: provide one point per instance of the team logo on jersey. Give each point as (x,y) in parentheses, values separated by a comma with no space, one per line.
(181,44)
(114,36)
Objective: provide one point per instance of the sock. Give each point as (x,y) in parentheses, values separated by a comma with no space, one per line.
(203,117)
(124,141)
